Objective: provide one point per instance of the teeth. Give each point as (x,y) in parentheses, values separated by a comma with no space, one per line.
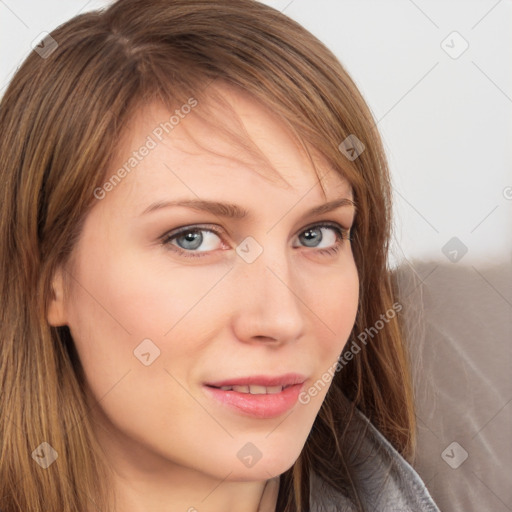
(254,390)
(241,389)
(257,390)
(274,389)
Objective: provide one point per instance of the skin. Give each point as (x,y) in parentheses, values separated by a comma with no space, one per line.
(213,317)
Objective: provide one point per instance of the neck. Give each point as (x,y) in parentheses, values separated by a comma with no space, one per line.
(269,497)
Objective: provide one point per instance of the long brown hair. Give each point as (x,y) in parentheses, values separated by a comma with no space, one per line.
(61,118)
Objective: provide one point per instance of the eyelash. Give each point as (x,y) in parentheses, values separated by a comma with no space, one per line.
(342,235)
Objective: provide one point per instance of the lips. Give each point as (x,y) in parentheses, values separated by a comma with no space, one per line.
(258,396)
(260,381)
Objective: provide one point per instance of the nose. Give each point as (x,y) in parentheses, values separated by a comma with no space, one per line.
(268,304)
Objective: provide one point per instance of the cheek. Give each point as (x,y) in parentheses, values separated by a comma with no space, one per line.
(119,302)
(334,308)
(167,319)
(333,302)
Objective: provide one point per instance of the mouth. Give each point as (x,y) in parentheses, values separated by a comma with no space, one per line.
(253,389)
(259,382)
(258,396)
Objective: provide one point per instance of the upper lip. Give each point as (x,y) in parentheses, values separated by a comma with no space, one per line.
(288,379)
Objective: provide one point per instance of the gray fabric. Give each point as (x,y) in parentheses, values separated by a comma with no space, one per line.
(459,326)
(388,483)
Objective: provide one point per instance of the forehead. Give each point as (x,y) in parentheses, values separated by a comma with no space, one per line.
(227,140)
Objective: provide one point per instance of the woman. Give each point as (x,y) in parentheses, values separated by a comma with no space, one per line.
(240,350)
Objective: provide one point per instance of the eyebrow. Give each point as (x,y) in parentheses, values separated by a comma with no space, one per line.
(233,211)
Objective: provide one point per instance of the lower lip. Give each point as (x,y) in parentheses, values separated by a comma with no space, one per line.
(259,406)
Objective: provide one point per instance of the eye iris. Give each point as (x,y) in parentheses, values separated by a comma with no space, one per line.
(194,238)
(311,236)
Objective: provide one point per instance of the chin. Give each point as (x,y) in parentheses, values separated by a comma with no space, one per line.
(266,467)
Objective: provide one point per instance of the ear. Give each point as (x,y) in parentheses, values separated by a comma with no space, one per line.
(56,313)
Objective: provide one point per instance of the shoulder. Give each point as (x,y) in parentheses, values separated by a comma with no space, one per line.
(387,482)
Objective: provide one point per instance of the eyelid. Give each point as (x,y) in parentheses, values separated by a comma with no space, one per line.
(325,223)
(192,227)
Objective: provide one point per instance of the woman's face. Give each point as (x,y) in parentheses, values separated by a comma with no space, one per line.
(162,300)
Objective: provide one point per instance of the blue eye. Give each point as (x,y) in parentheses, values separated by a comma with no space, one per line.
(193,239)
(198,241)
(313,236)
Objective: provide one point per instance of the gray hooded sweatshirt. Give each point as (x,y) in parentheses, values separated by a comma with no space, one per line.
(387,481)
